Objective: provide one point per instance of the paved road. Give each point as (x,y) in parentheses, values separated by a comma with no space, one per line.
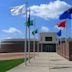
(45,62)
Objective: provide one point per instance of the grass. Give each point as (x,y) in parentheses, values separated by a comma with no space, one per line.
(8,64)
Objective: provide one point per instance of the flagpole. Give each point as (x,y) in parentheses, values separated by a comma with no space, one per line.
(65,40)
(29,44)
(35,37)
(71,25)
(29,39)
(25,49)
(38,47)
(34,41)
(38,42)
(34,46)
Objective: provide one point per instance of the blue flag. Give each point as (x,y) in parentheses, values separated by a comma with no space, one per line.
(59,33)
(70,10)
(66,14)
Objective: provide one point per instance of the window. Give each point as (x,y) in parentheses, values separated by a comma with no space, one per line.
(48,38)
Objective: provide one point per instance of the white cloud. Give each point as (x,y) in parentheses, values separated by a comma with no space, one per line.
(44,29)
(47,11)
(11,30)
(5,37)
(51,10)
(8,38)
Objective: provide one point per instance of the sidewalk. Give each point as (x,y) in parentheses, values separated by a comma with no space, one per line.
(45,62)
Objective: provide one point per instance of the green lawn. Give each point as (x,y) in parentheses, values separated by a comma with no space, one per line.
(8,64)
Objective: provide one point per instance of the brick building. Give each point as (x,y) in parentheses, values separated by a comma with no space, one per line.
(45,43)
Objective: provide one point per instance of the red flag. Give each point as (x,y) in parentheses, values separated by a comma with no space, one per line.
(62,24)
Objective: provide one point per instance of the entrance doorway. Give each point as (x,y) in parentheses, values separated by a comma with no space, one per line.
(49,47)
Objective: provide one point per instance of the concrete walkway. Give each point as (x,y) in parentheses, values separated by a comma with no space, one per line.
(45,62)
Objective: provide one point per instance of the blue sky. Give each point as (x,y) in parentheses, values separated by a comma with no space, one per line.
(13,26)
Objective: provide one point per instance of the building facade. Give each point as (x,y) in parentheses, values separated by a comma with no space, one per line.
(45,43)
(48,42)
(17,45)
(64,48)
